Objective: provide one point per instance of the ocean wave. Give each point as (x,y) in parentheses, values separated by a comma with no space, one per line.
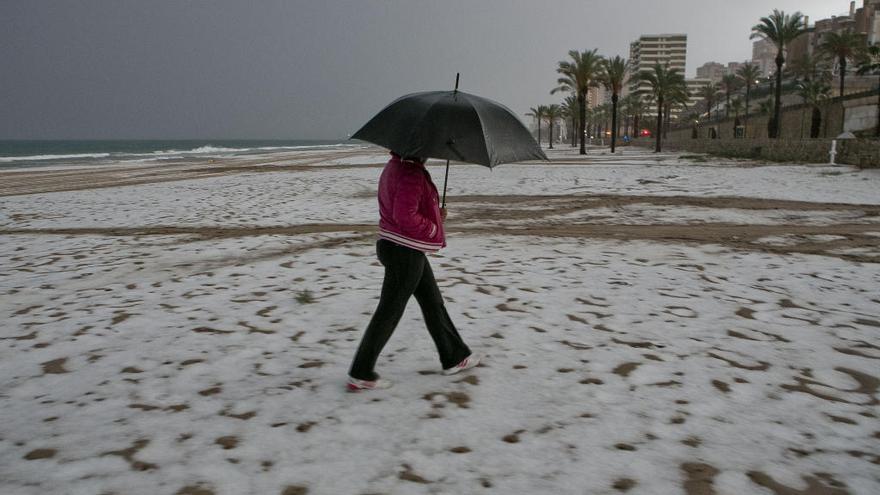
(172,153)
(7,159)
(222,149)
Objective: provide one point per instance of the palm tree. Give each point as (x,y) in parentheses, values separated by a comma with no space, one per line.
(870,64)
(708,93)
(694,119)
(538,114)
(603,117)
(843,46)
(677,99)
(578,75)
(647,102)
(552,113)
(729,83)
(570,108)
(780,29)
(665,82)
(814,92)
(808,67)
(630,105)
(736,105)
(749,73)
(613,77)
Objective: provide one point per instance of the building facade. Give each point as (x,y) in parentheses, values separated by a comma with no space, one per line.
(867,20)
(694,87)
(764,56)
(650,49)
(712,71)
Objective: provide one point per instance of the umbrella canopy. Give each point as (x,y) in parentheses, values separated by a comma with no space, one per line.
(451,125)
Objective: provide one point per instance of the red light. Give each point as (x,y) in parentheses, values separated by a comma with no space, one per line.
(645,132)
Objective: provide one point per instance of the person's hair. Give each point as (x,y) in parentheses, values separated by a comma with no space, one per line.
(416,159)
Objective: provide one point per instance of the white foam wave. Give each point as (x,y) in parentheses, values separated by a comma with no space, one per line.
(8,159)
(173,153)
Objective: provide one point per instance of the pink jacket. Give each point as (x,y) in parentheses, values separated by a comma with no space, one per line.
(409,206)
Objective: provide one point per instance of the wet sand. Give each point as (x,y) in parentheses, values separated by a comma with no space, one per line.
(637,343)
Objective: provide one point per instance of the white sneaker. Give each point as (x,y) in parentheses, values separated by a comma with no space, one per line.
(465,364)
(355,385)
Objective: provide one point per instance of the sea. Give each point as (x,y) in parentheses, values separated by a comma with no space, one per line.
(41,153)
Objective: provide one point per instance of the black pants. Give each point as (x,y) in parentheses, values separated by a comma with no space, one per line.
(407,273)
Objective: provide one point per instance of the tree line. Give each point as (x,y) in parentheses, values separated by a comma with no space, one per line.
(668,92)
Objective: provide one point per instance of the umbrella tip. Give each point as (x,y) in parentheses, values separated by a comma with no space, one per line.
(457,74)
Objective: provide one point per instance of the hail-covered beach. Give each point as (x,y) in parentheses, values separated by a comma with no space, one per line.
(653,324)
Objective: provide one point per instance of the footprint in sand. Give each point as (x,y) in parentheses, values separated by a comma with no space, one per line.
(681,311)
(821,484)
(40,454)
(55,366)
(700,478)
(624,484)
(194,490)
(867,386)
(625,369)
(227,442)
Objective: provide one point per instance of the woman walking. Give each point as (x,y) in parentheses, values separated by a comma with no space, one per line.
(411,224)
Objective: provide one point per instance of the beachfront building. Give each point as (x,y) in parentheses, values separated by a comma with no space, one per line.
(864,20)
(764,56)
(694,86)
(650,49)
(712,71)
(868,20)
(598,96)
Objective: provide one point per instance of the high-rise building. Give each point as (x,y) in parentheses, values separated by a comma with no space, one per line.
(651,49)
(764,56)
(694,87)
(864,20)
(868,20)
(711,70)
(714,71)
(597,96)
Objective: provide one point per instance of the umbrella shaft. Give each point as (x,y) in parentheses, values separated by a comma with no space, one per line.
(445,180)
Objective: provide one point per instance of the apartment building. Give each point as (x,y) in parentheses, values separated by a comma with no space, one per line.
(651,49)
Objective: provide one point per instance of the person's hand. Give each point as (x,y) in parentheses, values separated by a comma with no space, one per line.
(443,214)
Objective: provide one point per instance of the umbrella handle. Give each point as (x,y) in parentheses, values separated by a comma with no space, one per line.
(445,180)
(446,177)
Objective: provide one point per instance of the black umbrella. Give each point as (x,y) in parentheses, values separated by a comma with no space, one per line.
(451,125)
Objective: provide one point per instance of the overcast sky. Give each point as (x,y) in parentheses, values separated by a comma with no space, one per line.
(315,69)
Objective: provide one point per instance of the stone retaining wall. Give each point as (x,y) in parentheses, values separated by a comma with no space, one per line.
(860,152)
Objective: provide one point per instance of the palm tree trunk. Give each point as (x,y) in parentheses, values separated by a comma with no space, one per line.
(727,106)
(777,110)
(842,74)
(582,114)
(877,133)
(815,122)
(666,120)
(550,140)
(803,119)
(573,133)
(614,99)
(539,132)
(659,130)
(746,122)
(636,119)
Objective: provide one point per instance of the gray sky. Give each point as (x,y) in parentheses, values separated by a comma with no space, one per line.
(79,69)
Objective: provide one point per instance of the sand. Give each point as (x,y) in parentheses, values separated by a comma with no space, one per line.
(652,325)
